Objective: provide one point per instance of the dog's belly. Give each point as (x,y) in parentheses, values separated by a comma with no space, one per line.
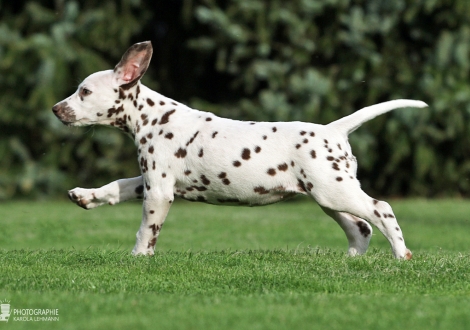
(269,198)
(237,197)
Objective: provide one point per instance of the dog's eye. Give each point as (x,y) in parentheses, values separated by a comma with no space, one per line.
(86,91)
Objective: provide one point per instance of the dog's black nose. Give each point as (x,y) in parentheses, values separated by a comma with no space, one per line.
(55,108)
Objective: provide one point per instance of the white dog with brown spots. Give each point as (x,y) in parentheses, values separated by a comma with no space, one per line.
(201,157)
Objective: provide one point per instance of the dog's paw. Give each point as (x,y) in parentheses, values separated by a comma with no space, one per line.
(86,198)
(408,255)
(142,252)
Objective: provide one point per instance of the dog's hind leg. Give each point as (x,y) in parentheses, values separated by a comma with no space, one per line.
(115,192)
(348,197)
(358,231)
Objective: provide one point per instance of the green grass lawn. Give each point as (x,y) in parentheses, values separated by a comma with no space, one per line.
(282,266)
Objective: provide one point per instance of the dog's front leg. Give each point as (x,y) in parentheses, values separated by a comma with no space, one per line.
(115,192)
(156,205)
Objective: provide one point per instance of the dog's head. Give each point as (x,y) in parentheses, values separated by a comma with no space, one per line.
(100,98)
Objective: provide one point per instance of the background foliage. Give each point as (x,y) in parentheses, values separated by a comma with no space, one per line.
(308,60)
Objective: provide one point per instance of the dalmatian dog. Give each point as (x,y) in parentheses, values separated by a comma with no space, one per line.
(201,157)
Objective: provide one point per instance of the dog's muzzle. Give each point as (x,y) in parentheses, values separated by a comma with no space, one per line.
(65,113)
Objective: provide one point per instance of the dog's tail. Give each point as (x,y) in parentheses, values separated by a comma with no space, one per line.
(350,123)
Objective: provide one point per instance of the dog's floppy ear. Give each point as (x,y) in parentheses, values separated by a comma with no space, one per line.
(133,64)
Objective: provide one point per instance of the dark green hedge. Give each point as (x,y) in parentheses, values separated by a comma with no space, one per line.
(259,60)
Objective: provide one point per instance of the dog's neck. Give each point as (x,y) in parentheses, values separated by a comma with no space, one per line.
(145,110)
(142,106)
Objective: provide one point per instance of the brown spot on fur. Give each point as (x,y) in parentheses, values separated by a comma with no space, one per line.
(312,134)
(326,141)
(201,153)
(150,102)
(282,167)
(363,228)
(192,139)
(375,201)
(271,171)
(246,154)
(152,243)
(292,163)
(301,185)
(339,179)
(214,134)
(305,141)
(166,117)
(163,175)
(274,129)
(339,146)
(149,135)
(309,186)
(151,149)
(261,190)
(154,227)
(162,103)
(143,140)
(237,163)
(208,119)
(335,166)
(377,213)
(226,182)
(181,153)
(139,190)
(330,158)
(257,149)
(297,146)
(122,96)
(187,172)
(169,136)
(222,175)
(205,180)
(154,122)
(303,133)
(313,154)
(264,137)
